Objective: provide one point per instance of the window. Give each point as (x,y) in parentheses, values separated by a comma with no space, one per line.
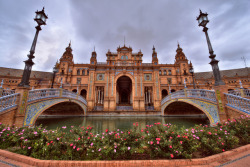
(165,72)
(177,71)
(78,81)
(83,72)
(92,62)
(78,72)
(62,72)
(169,80)
(160,72)
(87,72)
(169,72)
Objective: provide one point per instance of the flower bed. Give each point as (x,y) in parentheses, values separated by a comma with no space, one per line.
(157,141)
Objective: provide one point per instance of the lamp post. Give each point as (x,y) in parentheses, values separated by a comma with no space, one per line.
(41,20)
(203,20)
(191,70)
(55,70)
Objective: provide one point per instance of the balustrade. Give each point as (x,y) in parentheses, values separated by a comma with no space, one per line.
(7,92)
(193,93)
(43,93)
(9,101)
(238,103)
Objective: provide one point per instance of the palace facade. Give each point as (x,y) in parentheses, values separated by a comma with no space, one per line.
(124,82)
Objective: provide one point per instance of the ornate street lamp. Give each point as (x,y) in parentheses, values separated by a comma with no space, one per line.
(41,20)
(203,20)
(55,70)
(191,70)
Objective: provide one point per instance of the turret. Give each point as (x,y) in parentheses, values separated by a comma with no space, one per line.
(154,57)
(180,56)
(93,59)
(67,55)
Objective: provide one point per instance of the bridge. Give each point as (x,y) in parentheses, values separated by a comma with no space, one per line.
(216,107)
(25,107)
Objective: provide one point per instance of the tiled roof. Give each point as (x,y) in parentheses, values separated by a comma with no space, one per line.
(18,73)
(224,73)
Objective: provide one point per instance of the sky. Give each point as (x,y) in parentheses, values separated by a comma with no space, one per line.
(103,24)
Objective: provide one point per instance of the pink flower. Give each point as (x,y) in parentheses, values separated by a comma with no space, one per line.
(64,127)
(74,147)
(209,133)
(58,138)
(158,139)
(91,144)
(71,144)
(79,138)
(107,130)
(99,149)
(223,150)
(178,136)
(181,142)
(77,149)
(172,156)
(222,143)
(128,148)
(35,133)
(29,147)
(158,142)
(151,142)
(115,150)
(170,146)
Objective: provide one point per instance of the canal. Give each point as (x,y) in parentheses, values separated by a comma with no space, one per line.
(101,123)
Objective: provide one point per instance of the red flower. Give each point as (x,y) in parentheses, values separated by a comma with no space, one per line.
(172,156)
(107,130)
(51,142)
(181,142)
(158,139)
(170,146)
(223,150)
(79,138)
(151,142)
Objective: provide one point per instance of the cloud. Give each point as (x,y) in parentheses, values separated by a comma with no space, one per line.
(144,23)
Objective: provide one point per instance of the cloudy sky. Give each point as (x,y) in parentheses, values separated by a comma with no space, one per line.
(144,23)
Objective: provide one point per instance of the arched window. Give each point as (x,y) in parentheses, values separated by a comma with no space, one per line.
(83,72)
(160,72)
(169,72)
(165,72)
(87,72)
(78,72)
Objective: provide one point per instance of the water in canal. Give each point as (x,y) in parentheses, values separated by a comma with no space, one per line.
(101,123)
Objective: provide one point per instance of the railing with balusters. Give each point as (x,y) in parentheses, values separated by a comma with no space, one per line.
(50,93)
(194,93)
(7,92)
(237,102)
(9,101)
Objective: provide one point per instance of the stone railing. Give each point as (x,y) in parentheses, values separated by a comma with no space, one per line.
(193,93)
(237,102)
(43,93)
(240,92)
(9,101)
(48,93)
(7,92)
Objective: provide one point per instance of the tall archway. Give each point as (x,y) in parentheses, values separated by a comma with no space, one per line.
(164,93)
(83,93)
(124,91)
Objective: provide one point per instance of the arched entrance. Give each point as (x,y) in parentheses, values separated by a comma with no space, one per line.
(83,93)
(74,90)
(164,93)
(124,91)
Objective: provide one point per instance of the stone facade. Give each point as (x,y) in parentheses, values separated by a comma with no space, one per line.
(124,82)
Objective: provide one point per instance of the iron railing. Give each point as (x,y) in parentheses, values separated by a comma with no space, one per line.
(9,101)
(239,103)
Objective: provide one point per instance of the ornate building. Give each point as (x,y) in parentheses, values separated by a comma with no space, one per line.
(124,82)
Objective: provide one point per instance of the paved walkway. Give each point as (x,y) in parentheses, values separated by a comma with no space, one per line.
(239,160)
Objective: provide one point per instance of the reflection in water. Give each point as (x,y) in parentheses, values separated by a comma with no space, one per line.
(100,123)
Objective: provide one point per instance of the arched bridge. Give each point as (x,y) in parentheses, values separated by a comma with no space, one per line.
(34,102)
(212,104)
